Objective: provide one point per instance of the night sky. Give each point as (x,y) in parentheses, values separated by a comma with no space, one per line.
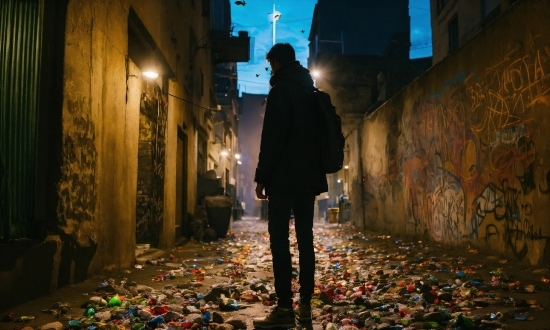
(296,16)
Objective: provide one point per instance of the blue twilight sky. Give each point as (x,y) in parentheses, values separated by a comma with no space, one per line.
(296,16)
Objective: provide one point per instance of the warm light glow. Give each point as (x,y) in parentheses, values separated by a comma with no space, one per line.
(150,74)
(316,73)
(238,156)
(346,167)
(339,180)
(239,162)
(223,153)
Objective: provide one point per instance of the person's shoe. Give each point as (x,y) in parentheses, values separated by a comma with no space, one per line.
(303,313)
(277,318)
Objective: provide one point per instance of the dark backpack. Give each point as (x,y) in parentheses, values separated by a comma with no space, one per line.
(332,151)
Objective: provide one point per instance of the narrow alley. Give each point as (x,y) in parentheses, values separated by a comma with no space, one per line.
(363,280)
(133,194)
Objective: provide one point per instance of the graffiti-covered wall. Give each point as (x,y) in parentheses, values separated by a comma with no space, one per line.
(151,161)
(462,155)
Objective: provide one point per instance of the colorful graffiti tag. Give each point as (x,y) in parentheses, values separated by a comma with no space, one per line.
(468,156)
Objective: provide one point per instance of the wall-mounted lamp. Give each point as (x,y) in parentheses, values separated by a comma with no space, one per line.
(150,74)
(145,74)
(339,180)
(238,156)
(346,167)
(223,153)
(239,162)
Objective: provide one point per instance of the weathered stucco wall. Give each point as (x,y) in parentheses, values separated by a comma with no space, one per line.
(92,229)
(462,155)
(101,127)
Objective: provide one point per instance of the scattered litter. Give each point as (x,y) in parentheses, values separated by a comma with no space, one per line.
(389,284)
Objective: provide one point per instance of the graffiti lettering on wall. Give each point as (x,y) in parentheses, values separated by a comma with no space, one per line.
(78,189)
(507,206)
(510,88)
(151,159)
(468,156)
(440,213)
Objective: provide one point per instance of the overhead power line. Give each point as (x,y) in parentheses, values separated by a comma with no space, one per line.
(278,22)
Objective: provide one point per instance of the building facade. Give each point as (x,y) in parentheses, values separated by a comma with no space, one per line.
(98,154)
(359,54)
(458,157)
(454,22)
(357,27)
(250,127)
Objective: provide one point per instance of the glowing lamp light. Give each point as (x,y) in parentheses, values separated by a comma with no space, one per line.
(223,153)
(346,167)
(150,74)
(239,162)
(339,180)
(238,156)
(315,73)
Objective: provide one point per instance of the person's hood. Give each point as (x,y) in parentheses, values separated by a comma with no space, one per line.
(294,71)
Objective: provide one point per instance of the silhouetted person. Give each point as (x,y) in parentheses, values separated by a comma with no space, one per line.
(289,169)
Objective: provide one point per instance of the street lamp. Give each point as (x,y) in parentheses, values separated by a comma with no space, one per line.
(274,16)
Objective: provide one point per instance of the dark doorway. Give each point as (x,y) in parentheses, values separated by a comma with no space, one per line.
(181,185)
(151,157)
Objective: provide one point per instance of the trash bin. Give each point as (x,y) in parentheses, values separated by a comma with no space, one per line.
(333,214)
(344,212)
(218,213)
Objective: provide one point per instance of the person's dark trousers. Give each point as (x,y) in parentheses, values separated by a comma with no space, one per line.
(279,207)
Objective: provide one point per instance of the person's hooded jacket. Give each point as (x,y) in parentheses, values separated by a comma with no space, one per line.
(290,148)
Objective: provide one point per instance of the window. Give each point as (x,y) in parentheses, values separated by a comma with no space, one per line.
(490,9)
(453,34)
(440,5)
(487,6)
(192,52)
(202,84)
(199,90)
(206,8)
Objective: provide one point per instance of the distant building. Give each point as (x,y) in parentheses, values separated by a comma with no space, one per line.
(250,131)
(454,22)
(357,27)
(359,54)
